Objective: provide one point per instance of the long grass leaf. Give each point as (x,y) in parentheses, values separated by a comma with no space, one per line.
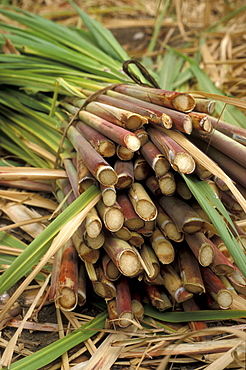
(203,315)
(14,145)
(158,25)
(103,37)
(51,32)
(169,70)
(11,241)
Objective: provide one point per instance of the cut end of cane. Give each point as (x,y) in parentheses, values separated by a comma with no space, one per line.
(161,166)
(125,319)
(146,210)
(188,127)
(184,163)
(123,153)
(129,264)
(206,255)
(124,182)
(85,184)
(135,121)
(132,142)
(160,305)
(137,309)
(142,135)
(95,242)
(224,299)
(206,124)
(67,300)
(123,233)
(106,148)
(114,219)
(112,271)
(94,228)
(109,196)
(166,121)
(134,223)
(87,254)
(104,290)
(167,185)
(172,232)
(107,176)
(165,252)
(184,102)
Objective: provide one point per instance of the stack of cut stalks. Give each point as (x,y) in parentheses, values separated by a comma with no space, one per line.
(151,191)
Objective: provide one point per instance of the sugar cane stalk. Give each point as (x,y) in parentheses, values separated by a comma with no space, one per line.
(167,183)
(141,169)
(94,242)
(150,259)
(157,299)
(93,223)
(202,248)
(112,216)
(85,253)
(162,247)
(174,100)
(216,288)
(189,271)
(204,105)
(123,302)
(173,284)
(167,226)
(221,265)
(184,217)
(116,133)
(191,305)
(97,165)
(109,268)
(108,194)
(125,174)
(152,184)
(67,295)
(155,158)
(131,220)
(123,233)
(84,178)
(179,159)
(123,255)
(235,132)
(227,145)
(102,286)
(123,153)
(100,143)
(82,284)
(142,203)
(121,117)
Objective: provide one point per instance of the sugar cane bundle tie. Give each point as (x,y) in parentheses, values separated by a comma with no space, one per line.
(143,70)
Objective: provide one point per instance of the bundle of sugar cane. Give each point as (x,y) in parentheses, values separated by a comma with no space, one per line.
(135,204)
(139,146)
